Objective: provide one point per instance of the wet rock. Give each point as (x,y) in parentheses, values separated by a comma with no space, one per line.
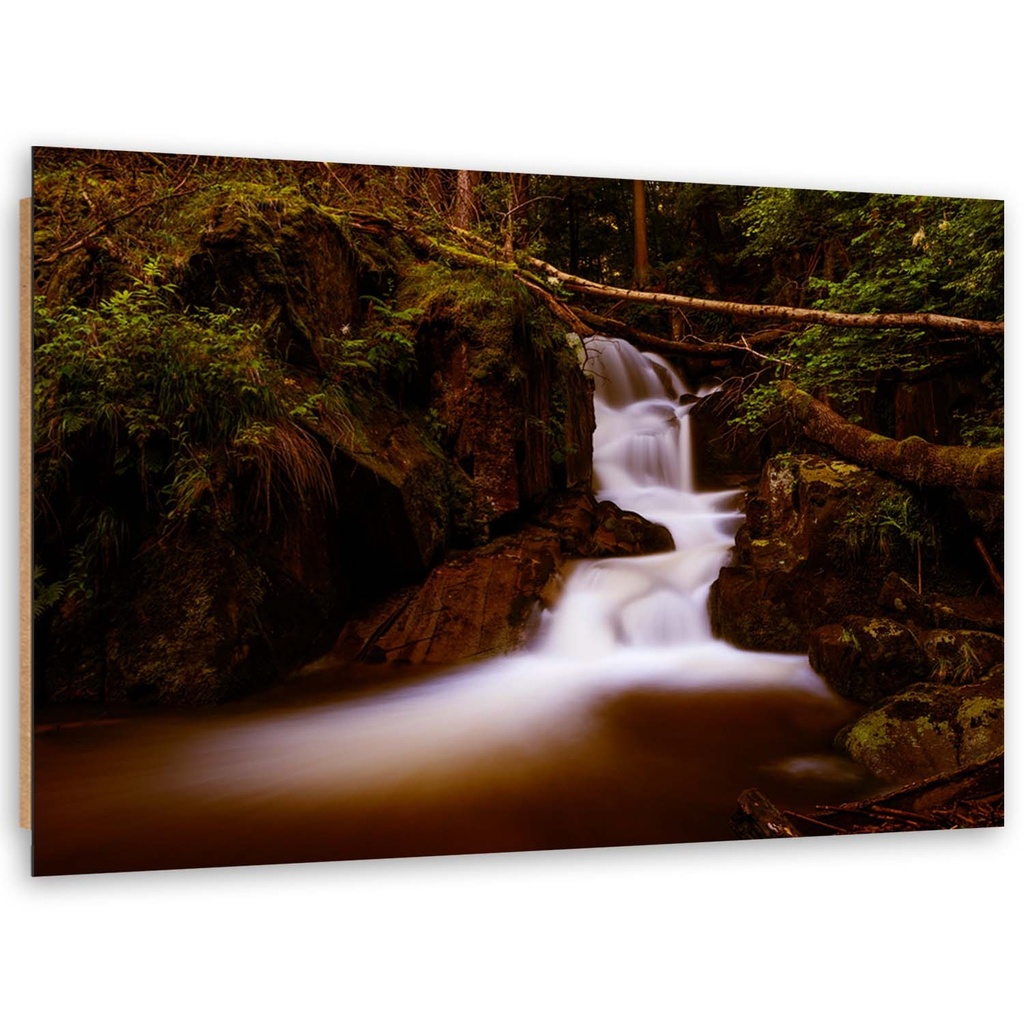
(480,603)
(625,533)
(474,605)
(804,557)
(929,729)
(867,659)
(758,612)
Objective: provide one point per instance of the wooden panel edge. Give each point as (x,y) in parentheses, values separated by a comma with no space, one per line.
(25,448)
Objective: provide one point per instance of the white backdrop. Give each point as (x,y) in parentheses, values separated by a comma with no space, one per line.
(867,97)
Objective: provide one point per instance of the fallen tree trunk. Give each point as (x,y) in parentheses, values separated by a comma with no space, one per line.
(618,329)
(791,314)
(913,460)
(488,254)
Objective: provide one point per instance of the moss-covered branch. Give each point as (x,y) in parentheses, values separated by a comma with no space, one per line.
(913,459)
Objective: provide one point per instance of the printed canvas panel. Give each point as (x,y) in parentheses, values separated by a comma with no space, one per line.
(391,512)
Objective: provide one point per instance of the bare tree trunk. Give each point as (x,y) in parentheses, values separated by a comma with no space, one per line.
(515,215)
(466,213)
(435,189)
(913,460)
(574,230)
(641,267)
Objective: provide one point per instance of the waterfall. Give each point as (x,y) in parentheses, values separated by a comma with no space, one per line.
(644,462)
(618,625)
(625,721)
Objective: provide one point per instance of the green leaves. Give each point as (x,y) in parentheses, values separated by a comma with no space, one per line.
(181,415)
(861,253)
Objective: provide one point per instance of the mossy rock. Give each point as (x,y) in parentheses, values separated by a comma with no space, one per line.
(961,655)
(983,612)
(287,265)
(929,729)
(829,512)
(190,632)
(512,406)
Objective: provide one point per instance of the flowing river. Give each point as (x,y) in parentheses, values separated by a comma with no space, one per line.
(624,722)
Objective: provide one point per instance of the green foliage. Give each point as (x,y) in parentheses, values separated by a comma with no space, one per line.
(777,221)
(390,347)
(184,410)
(45,595)
(983,428)
(860,253)
(758,406)
(487,304)
(895,521)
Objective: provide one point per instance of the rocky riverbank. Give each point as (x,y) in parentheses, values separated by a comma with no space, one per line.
(352,420)
(824,564)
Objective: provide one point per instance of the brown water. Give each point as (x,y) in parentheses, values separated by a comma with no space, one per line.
(289,782)
(625,723)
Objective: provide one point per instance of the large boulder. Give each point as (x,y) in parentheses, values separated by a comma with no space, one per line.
(866,659)
(929,729)
(507,394)
(816,547)
(497,418)
(287,265)
(480,602)
(617,532)
(224,607)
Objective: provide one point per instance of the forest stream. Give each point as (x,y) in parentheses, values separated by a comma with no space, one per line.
(623,722)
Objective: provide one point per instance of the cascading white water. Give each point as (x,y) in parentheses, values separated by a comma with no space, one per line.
(644,462)
(624,722)
(619,622)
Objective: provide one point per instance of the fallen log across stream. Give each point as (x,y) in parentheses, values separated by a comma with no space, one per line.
(484,249)
(791,314)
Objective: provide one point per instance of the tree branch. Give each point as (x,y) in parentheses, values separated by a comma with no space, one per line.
(108,222)
(790,314)
(651,341)
(913,460)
